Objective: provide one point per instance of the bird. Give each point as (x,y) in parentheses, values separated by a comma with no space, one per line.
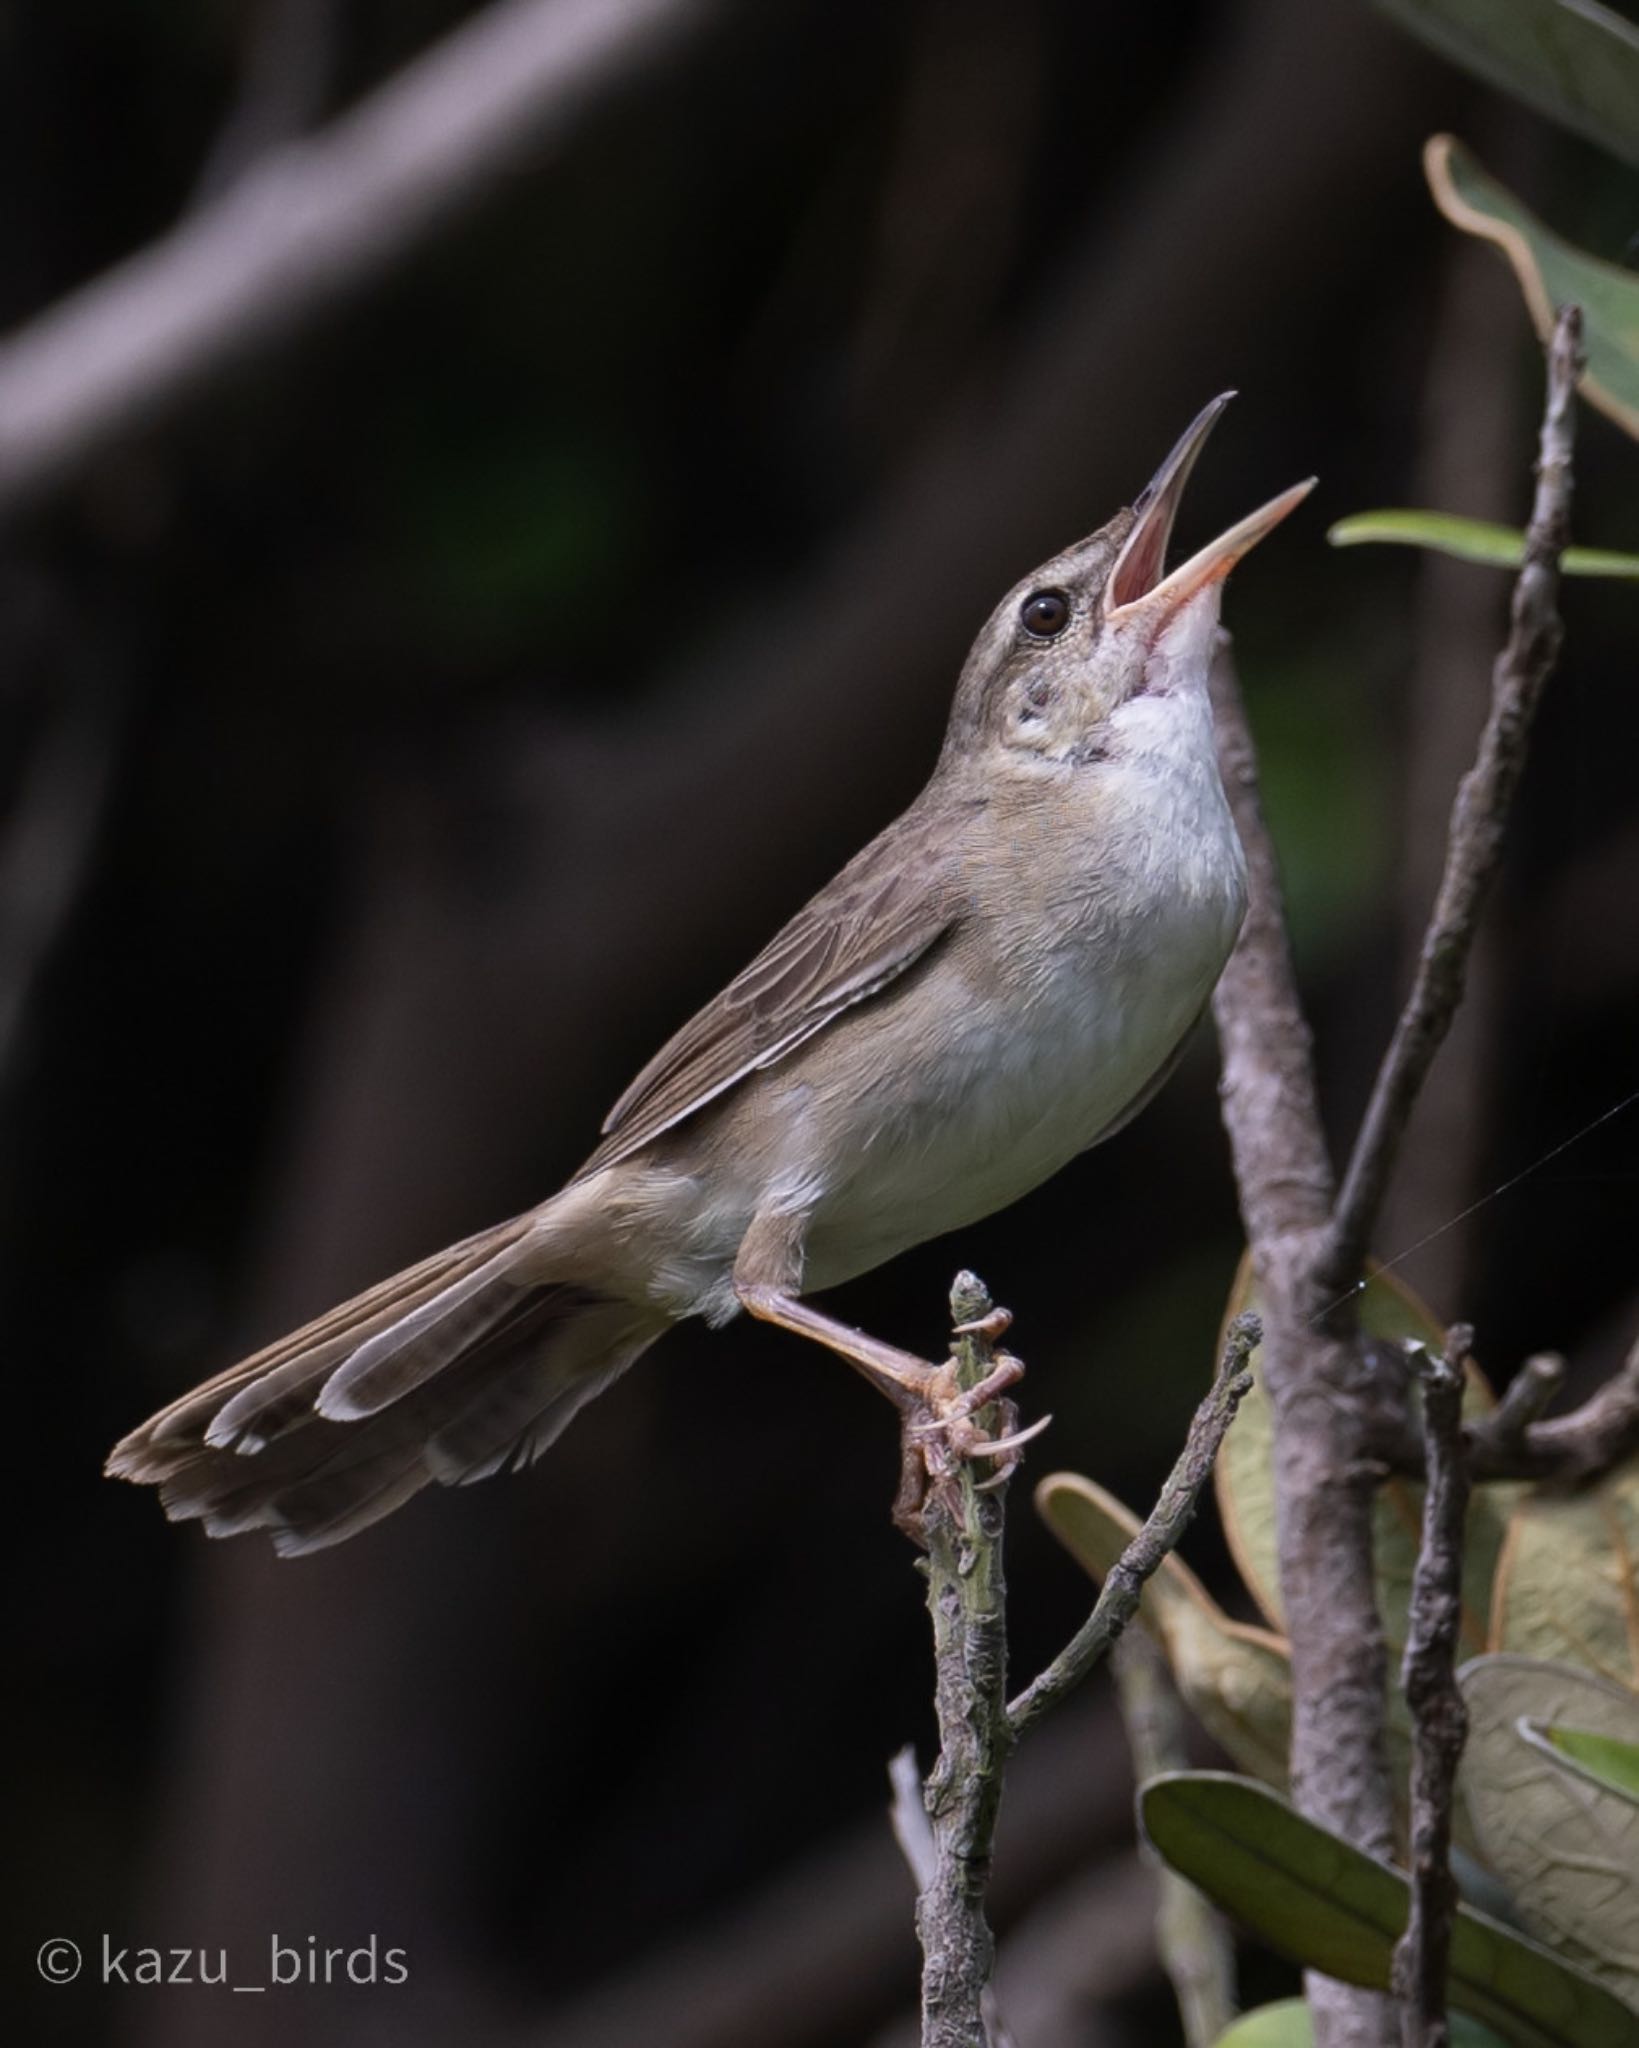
(1002,978)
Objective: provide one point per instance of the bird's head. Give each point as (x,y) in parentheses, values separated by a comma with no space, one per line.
(1103,626)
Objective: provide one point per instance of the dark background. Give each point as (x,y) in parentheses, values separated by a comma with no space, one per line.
(405,736)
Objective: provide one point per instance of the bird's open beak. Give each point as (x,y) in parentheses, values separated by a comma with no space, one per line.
(1137,580)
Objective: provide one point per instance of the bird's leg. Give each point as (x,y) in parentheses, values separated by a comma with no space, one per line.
(909,1382)
(937,1430)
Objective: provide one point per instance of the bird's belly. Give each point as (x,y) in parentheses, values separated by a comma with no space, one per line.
(1003,1096)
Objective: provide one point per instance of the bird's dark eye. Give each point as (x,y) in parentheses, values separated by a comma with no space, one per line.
(1045,613)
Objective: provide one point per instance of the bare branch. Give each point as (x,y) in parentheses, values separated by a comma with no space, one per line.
(1118,1597)
(1512,1443)
(1270,1107)
(962,1523)
(1439,1718)
(1571,1448)
(1523,1400)
(311,226)
(1312,1370)
(1479,817)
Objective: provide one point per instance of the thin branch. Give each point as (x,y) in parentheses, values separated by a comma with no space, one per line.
(1196,1950)
(1118,1597)
(1512,1443)
(311,226)
(1570,1448)
(962,1524)
(1478,820)
(1524,1400)
(1439,1718)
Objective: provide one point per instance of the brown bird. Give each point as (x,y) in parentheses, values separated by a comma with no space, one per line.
(1002,978)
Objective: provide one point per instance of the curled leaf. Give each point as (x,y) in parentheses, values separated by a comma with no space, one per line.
(1552,273)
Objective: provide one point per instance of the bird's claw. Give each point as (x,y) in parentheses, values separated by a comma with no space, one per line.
(946,1435)
(996,1324)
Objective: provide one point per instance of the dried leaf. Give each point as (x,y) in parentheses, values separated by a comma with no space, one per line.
(1567,1580)
(1245,1481)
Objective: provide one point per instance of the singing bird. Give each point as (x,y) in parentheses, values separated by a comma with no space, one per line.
(1001,979)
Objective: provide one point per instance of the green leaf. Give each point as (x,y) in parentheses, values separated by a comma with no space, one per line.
(1235,1679)
(1551,273)
(1472,540)
(1572,60)
(1332,1908)
(1613,1762)
(1564,1842)
(1287,2025)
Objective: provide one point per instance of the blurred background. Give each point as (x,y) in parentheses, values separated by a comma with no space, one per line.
(433,657)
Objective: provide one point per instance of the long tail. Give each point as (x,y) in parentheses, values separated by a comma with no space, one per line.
(452,1370)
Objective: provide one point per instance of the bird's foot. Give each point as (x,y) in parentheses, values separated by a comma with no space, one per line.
(954,1425)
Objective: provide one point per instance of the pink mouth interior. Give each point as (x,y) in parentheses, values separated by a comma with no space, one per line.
(1139,570)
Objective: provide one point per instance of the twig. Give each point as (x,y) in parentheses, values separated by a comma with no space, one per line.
(1194,1942)
(1512,1443)
(1470,453)
(1578,1446)
(1478,819)
(962,1525)
(310,226)
(1439,1718)
(1119,1595)
(1523,1400)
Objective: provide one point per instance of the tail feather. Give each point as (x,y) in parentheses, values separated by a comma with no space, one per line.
(453,1370)
(518,1410)
(416,1347)
(307,1353)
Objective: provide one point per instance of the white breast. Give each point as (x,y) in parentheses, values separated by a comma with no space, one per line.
(1015,1081)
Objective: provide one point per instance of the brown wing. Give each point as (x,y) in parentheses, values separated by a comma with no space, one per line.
(888,907)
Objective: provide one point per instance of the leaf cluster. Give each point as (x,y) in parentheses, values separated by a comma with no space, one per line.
(1548,1815)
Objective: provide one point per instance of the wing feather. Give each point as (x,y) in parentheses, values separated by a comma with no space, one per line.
(889,907)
